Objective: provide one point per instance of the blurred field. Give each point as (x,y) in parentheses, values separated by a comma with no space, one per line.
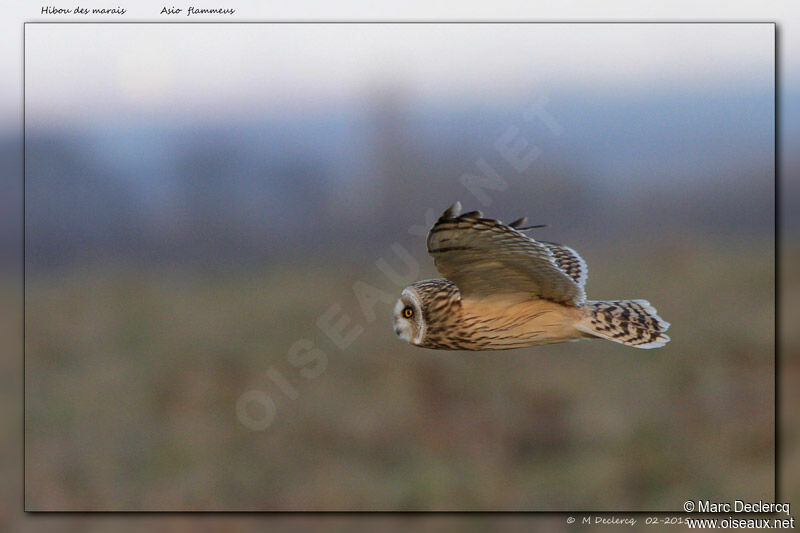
(132,379)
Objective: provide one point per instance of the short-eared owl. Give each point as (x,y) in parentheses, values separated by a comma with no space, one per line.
(506,290)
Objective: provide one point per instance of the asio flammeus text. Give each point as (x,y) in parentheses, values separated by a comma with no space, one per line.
(506,290)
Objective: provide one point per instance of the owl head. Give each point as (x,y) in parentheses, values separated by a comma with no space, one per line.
(423,308)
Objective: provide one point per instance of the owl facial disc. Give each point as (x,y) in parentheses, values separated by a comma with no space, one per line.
(408,323)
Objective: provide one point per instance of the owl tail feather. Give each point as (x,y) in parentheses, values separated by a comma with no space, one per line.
(630,322)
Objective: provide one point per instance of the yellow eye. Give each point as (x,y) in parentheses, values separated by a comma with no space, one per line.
(408,312)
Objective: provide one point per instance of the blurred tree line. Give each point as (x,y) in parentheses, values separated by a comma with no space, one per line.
(250,191)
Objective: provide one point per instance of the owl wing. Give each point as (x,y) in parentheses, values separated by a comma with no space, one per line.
(485,257)
(569,262)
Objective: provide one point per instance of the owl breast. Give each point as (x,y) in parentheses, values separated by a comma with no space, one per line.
(498,325)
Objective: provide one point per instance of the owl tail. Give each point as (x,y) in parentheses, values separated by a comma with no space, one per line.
(630,322)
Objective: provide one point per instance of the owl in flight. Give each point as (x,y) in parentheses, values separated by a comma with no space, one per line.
(506,290)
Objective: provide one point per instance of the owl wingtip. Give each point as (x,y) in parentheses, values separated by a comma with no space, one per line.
(453,211)
(519,222)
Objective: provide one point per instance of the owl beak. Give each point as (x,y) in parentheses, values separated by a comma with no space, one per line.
(397,331)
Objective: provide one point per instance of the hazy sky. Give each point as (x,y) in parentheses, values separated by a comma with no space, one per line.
(77,72)
(786,14)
